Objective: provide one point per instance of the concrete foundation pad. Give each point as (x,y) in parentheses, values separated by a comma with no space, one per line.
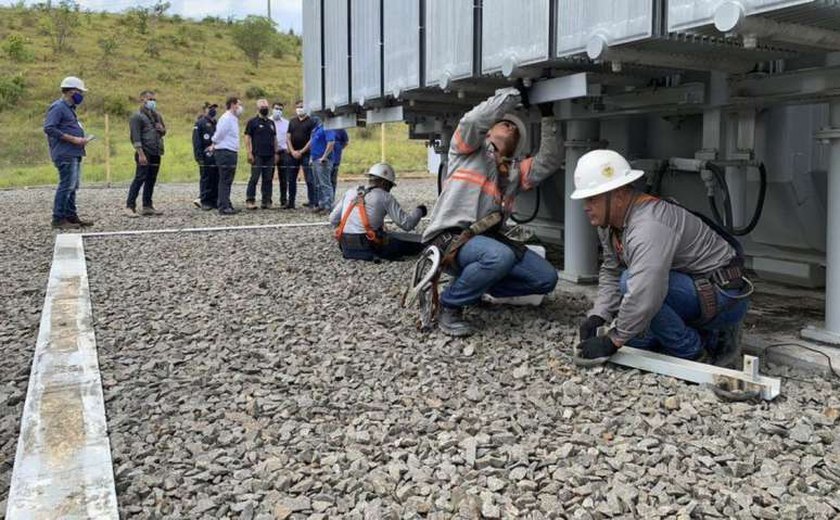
(787,349)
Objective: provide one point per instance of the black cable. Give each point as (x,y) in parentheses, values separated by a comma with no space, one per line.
(834,372)
(727,221)
(534,214)
(440,177)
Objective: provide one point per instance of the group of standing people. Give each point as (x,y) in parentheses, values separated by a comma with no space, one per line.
(273,144)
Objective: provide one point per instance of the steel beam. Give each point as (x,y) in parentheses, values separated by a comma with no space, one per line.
(338,122)
(564,87)
(385,115)
(799,86)
(747,380)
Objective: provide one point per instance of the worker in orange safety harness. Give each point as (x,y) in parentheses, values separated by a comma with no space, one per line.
(359,220)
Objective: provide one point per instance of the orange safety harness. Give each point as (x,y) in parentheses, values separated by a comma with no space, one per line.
(359,203)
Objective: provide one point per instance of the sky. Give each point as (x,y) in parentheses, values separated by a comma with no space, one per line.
(286,13)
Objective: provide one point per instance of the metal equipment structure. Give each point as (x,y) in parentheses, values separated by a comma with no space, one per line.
(731,106)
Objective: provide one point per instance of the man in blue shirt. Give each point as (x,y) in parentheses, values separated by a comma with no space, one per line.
(67,142)
(342,141)
(321,150)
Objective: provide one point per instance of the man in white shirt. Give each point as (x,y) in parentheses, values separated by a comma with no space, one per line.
(226,149)
(282,158)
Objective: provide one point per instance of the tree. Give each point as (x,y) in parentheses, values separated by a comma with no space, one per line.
(254,35)
(60,22)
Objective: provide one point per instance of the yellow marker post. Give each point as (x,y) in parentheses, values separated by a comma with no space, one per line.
(107,152)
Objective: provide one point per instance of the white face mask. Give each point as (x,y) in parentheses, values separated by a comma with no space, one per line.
(300,111)
(277,113)
(238,111)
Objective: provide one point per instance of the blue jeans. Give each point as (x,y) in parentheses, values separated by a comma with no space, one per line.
(322,171)
(488,266)
(69,174)
(669,331)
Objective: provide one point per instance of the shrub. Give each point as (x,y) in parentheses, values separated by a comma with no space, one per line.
(255,92)
(11,90)
(116,105)
(59,23)
(16,47)
(254,35)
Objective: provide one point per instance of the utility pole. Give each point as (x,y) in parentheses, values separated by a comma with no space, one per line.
(269,9)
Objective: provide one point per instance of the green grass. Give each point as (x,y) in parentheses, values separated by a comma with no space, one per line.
(197,61)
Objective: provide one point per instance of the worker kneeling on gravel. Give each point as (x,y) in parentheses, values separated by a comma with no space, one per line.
(672,279)
(485,173)
(360,220)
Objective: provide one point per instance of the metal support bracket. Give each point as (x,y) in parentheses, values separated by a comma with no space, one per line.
(564,87)
(338,122)
(748,380)
(385,115)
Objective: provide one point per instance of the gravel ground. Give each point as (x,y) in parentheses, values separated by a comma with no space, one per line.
(258,375)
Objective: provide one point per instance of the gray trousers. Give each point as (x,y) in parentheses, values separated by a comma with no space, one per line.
(226,162)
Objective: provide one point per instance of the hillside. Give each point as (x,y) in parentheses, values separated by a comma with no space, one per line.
(118,55)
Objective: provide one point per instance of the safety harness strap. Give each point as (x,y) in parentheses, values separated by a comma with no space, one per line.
(360,204)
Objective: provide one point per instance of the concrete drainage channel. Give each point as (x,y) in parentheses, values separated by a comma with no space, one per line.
(63,466)
(494,455)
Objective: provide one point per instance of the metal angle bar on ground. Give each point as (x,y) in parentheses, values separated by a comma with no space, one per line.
(200,230)
(63,466)
(699,373)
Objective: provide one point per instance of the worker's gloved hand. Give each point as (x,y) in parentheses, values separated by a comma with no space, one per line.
(423,210)
(523,94)
(589,328)
(594,348)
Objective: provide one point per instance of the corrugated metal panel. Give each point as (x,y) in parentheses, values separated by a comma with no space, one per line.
(527,44)
(367,61)
(312,56)
(688,14)
(402,46)
(449,41)
(617,21)
(337,79)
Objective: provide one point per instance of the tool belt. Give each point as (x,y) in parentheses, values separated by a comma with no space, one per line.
(729,278)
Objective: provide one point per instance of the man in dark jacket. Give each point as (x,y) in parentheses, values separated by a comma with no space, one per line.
(208,172)
(147,131)
(261,143)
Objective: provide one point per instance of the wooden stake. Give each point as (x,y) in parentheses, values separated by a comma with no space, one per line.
(107,152)
(382,142)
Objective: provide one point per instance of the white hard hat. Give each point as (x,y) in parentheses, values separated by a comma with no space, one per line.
(73,82)
(383,171)
(522,146)
(600,171)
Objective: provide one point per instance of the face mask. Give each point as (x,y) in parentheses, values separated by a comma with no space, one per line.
(277,113)
(238,111)
(212,113)
(263,112)
(300,112)
(151,105)
(78,98)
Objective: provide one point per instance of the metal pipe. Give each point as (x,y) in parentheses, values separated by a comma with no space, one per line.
(731,17)
(580,240)
(832,277)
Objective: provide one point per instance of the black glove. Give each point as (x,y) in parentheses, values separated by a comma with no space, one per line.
(595,348)
(523,94)
(423,210)
(589,328)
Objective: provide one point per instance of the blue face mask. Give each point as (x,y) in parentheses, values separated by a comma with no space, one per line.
(151,105)
(78,98)
(212,113)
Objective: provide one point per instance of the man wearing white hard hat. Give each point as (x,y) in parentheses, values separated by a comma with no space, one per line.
(671,279)
(359,220)
(67,141)
(487,168)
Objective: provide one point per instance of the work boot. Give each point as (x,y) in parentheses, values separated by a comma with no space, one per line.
(452,323)
(265,205)
(64,224)
(228,211)
(76,220)
(250,204)
(207,207)
(150,211)
(130,213)
(197,203)
(728,349)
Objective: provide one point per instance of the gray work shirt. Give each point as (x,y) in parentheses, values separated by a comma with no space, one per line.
(658,237)
(378,203)
(143,132)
